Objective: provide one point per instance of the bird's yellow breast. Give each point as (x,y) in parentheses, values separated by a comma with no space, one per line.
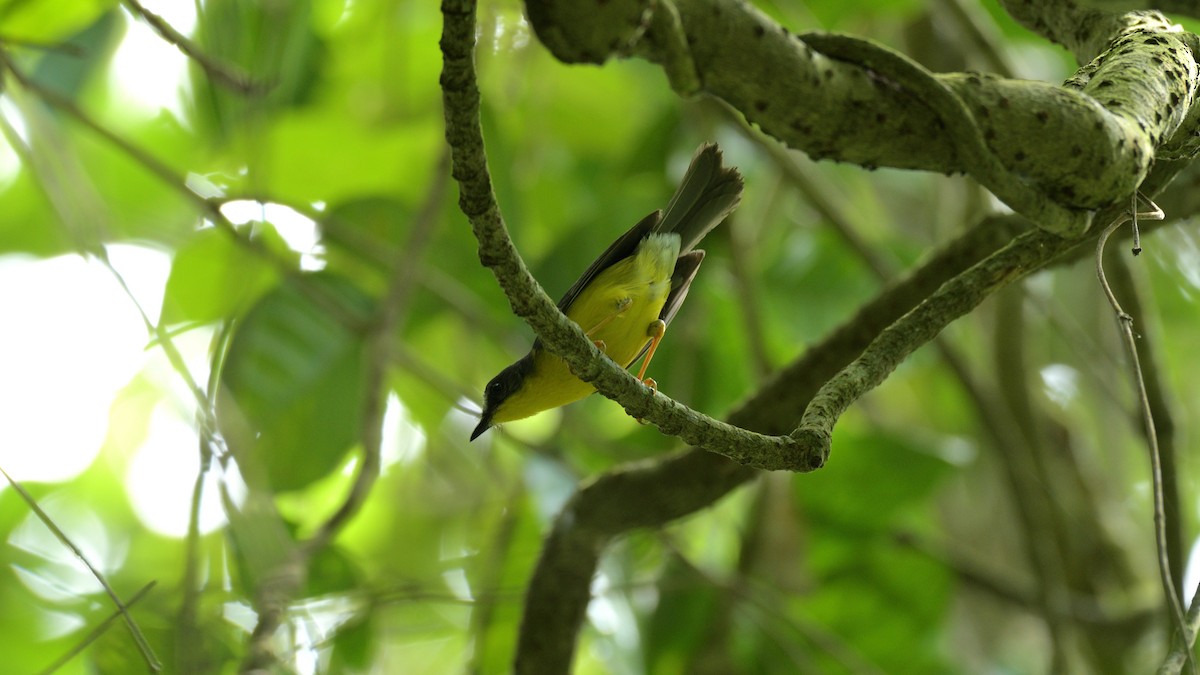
(617,308)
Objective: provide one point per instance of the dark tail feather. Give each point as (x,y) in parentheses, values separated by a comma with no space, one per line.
(708,192)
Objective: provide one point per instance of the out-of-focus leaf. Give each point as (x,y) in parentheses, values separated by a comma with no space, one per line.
(363,237)
(313,154)
(354,645)
(378,217)
(883,607)
(677,628)
(331,571)
(869,480)
(27,223)
(261,541)
(140,204)
(209,648)
(271,42)
(292,397)
(213,278)
(432,345)
(67,73)
(48,22)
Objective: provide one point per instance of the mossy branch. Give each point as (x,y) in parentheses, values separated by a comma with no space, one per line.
(1052,153)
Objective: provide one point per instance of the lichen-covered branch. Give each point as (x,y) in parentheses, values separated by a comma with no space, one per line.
(1045,150)
(1182,7)
(1085,31)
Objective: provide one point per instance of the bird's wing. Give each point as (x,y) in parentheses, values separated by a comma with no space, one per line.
(686,267)
(623,247)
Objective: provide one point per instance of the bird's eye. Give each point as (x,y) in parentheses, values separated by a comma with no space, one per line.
(493,388)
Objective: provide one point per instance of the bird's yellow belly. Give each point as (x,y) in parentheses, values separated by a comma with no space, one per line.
(620,321)
(616,309)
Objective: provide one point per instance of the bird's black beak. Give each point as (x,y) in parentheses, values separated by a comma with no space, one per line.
(485,423)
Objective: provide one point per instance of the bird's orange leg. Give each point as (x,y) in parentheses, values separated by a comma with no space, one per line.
(656,332)
(621,307)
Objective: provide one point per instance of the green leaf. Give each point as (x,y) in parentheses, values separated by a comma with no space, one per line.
(313,154)
(27,223)
(49,22)
(869,480)
(293,382)
(332,571)
(213,278)
(271,42)
(888,606)
(678,627)
(362,238)
(354,645)
(69,73)
(260,540)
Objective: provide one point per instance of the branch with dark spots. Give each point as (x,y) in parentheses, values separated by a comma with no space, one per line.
(867,106)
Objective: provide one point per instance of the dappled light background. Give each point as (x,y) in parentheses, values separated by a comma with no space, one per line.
(153,220)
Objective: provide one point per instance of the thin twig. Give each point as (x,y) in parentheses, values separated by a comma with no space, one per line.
(1181,652)
(187,650)
(1125,325)
(1120,278)
(96,632)
(140,640)
(224,73)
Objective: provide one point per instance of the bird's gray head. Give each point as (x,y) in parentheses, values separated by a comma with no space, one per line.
(501,387)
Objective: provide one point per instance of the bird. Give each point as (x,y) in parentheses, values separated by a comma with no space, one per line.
(627,297)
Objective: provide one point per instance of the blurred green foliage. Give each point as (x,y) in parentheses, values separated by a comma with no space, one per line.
(870,565)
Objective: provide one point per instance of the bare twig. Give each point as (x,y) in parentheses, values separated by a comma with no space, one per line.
(140,640)
(187,650)
(96,632)
(1181,652)
(226,74)
(1123,283)
(1125,326)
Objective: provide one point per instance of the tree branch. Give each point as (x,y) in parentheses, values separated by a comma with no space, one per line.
(1051,153)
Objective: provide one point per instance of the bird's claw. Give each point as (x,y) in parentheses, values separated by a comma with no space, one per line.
(649,382)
